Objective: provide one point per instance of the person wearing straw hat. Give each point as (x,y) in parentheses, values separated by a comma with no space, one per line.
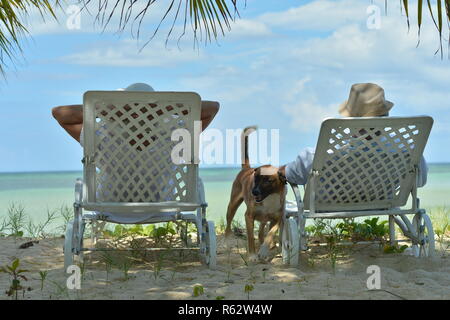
(70,117)
(365,100)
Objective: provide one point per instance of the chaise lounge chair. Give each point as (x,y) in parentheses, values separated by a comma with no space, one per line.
(364,167)
(128,173)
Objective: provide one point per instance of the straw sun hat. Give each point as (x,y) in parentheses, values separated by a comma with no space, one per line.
(365,100)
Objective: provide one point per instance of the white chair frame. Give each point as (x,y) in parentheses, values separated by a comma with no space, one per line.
(384,155)
(128,135)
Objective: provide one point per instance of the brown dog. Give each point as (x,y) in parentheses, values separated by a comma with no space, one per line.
(263,190)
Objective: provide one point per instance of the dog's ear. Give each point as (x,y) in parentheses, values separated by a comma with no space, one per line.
(282,177)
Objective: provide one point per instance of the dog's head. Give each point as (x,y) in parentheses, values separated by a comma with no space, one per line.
(267,180)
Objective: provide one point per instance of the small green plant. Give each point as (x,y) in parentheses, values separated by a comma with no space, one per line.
(318,229)
(107,259)
(16,219)
(220,228)
(394,248)
(198,291)
(61,289)
(125,265)
(38,230)
(158,266)
(43,276)
(3,227)
(369,230)
(333,250)
(16,275)
(67,214)
(441,222)
(220,298)
(441,233)
(247,289)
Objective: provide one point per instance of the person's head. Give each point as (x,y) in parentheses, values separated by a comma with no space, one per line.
(143,87)
(366,100)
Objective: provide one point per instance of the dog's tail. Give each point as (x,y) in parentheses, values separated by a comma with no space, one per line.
(244,145)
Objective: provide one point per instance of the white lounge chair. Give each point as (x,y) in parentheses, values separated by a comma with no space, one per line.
(129,175)
(364,167)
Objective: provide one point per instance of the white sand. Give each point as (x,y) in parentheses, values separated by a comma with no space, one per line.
(402,275)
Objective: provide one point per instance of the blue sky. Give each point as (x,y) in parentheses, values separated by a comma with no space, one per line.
(285,65)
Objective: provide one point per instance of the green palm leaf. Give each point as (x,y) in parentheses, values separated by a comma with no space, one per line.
(207,18)
(12,15)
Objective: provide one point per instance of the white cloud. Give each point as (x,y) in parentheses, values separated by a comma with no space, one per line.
(244,28)
(318,15)
(306,116)
(126,54)
(307,79)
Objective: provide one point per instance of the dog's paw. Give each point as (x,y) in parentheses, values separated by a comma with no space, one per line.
(263,253)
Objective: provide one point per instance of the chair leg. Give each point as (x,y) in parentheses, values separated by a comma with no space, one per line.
(303,242)
(392,230)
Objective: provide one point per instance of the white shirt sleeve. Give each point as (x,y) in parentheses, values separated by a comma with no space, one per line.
(423,172)
(298,171)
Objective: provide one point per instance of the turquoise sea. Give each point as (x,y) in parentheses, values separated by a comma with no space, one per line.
(39,191)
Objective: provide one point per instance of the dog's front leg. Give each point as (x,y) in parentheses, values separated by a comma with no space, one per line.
(250,224)
(261,233)
(263,253)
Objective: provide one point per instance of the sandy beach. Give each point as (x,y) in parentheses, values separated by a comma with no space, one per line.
(176,277)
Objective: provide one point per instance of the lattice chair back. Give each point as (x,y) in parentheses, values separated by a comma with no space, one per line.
(366,163)
(128,146)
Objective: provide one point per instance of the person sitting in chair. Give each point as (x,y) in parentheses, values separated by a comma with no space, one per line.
(70,117)
(365,100)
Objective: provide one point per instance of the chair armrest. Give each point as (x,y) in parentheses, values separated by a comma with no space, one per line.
(298,197)
(79,191)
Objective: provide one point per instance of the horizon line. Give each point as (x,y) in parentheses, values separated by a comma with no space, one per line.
(228,167)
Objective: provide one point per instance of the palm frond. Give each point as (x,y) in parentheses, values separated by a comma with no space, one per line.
(12,28)
(437,11)
(208,18)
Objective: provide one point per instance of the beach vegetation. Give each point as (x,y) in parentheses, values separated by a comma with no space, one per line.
(440,218)
(61,290)
(16,219)
(248,288)
(17,275)
(108,261)
(388,248)
(42,276)
(350,230)
(67,214)
(124,264)
(38,231)
(158,265)
(198,290)
(18,224)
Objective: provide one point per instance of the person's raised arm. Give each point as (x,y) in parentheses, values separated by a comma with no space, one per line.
(209,111)
(70,118)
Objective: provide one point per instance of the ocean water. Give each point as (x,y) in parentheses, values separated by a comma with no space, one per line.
(38,192)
